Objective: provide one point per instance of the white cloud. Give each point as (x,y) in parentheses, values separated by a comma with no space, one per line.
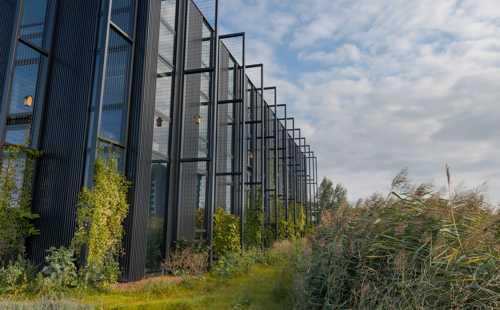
(379,85)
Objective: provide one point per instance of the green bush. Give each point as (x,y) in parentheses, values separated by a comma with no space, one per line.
(100,216)
(226,233)
(17,276)
(254,213)
(61,269)
(231,265)
(16,176)
(411,252)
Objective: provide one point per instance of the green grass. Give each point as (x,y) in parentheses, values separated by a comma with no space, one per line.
(264,287)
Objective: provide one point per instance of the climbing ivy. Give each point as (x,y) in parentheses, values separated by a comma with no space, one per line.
(254,216)
(16,177)
(100,215)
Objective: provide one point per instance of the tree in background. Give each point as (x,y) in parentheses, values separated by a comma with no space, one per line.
(329,198)
(339,198)
(325,195)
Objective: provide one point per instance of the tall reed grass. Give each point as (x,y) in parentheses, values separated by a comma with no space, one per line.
(415,250)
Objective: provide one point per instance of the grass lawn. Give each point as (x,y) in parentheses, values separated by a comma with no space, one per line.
(264,287)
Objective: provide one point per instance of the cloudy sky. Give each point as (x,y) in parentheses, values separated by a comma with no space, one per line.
(378,85)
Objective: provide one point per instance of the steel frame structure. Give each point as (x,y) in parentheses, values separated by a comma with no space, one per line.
(264,150)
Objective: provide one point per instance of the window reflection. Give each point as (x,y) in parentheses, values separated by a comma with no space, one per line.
(156,218)
(116,88)
(29,66)
(122,14)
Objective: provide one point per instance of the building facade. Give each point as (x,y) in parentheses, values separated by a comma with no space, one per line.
(194,125)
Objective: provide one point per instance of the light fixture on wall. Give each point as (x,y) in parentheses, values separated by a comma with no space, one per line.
(28,100)
(250,155)
(159,122)
(197,119)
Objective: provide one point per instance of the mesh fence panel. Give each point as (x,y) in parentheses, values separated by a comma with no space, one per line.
(199,40)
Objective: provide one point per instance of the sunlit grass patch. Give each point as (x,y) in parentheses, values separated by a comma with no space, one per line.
(264,287)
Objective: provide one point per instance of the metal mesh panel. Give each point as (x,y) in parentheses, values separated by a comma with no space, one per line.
(195,138)
(116,88)
(28,80)
(281,160)
(259,132)
(199,40)
(269,97)
(226,71)
(192,202)
(207,8)
(123,15)
(36,22)
(163,89)
(168,11)
(255,76)
(235,47)
(240,144)
(166,44)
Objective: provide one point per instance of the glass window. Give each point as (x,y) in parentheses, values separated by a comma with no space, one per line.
(33,23)
(229,189)
(156,218)
(160,135)
(116,88)
(168,12)
(29,66)
(230,82)
(123,15)
(206,47)
(113,149)
(166,45)
(163,93)
(229,144)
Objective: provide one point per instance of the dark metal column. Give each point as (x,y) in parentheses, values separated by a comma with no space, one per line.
(212,170)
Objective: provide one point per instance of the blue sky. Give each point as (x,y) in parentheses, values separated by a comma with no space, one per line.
(379,85)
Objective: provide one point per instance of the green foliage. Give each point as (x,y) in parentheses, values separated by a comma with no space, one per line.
(254,212)
(231,265)
(410,252)
(226,233)
(17,275)
(301,219)
(330,198)
(61,269)
(16,177)
(154,242)
(339,198)
(325,195)
(100,215)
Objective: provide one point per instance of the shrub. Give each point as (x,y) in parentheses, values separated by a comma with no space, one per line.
(231,265)
(61,269)
(226,233)
(413,251)
(254,216)
(17,276)
(100,215)
(153,244)
(187,258)
(16,176)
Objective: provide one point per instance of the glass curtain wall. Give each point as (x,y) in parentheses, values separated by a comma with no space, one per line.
(161,130)
(30,71)
(113,119)
(195,141)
